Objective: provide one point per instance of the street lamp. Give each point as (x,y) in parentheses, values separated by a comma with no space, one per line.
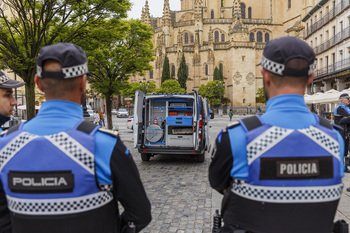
(144,85)
(220,87)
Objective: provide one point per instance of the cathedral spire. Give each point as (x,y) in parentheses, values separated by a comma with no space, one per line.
(146,19)
(166,14)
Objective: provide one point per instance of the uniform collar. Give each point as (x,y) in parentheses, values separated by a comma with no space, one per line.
(3,119)
(60,108)
(286,103)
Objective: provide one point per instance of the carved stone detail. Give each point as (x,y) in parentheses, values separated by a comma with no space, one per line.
(250,78)
(237,78)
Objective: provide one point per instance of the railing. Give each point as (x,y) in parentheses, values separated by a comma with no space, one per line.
(332,69)
(217,21)
(188,48)
(203,48)
(243,44)
(327,17)
(220,46)
(184,23)
(342,35)
(257,21)
(170,49)
(259,45)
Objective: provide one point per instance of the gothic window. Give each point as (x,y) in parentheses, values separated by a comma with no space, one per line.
(206,70)
(186,38)
(192,39)
(249,13)
(222,37)
(289,4)
(251,37)
(242,10)
(259,36)
(187,70)
(267,37)
(172,71)
(212,14)
(216,36)
(151,74)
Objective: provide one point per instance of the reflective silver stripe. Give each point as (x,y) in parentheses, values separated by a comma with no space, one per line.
(15,145)
(266,141)
(288,194)
(74,150)
(58,206)
(323,140)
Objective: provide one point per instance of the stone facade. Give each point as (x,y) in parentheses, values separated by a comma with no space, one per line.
(228,34)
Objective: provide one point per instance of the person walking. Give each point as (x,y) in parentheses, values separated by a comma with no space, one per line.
(7,100)
(230,114)
(65,174)
(102,119)
(281,171)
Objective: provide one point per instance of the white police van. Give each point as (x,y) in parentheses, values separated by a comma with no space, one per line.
(171,124)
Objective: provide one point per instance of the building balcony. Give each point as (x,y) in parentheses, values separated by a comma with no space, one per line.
(332,69)
(338,38)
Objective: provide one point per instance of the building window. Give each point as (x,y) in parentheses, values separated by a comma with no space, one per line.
(242,10)
(249,13)
(222,37)
(187,70)
(186,38)
(212,14)
(151,74)
(216,36)
(206,70)
(243,100)
(289,4)
(251,37)
(172,71)
(192,39)
(267,37)
(259,37)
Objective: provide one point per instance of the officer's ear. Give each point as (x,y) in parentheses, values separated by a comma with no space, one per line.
(266,77)
(37,81)
(311,77)
(82,84)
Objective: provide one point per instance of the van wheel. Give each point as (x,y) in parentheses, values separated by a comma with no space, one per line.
(145,157)
(200,157)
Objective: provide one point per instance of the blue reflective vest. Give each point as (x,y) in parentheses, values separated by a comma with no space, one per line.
(291,165)
(52,174)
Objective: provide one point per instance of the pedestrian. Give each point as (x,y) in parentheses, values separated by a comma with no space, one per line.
(7,100)
(281,171)
(259,110)
(230,114)
(342,118)
(102,119)
(65,174)
(97,118)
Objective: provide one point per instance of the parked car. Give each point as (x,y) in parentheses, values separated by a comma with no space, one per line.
(114,112)
(130,122)
(122,112)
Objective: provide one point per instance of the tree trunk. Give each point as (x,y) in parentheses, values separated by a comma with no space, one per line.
(30,98)
(109,111)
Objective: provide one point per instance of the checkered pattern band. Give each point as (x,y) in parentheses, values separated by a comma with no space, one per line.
(4,79)
(322,139)
(288,194)
(266,141)
(58,206)
(14,146)
(74,150)
(69,72)
(272,66)
(106,187)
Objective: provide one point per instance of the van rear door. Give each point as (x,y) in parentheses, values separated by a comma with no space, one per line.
(138,118)
(206,118)
(196,110)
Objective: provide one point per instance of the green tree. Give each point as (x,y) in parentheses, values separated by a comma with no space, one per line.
(212,93)
(260,96)
(217,74)
(34,23)
(166,70)
(182,73)
(126,49)
(130,89)
(171,86)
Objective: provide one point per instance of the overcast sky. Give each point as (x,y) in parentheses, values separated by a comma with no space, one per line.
(155,7)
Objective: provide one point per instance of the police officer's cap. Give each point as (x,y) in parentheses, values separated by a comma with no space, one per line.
(6,82)
(278,52)
(344,96)
(71,57)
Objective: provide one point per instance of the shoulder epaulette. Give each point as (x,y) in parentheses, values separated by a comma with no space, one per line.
(108,131)
(231,125)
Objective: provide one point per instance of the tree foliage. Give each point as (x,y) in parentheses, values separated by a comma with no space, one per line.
(212,93)
(166,70)
(126,49)
(217,75)
(182,73)
(260,95)
(130,89)
(171,86)
(33,24)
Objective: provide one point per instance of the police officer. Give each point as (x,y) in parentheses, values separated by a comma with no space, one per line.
(63,174)
(281,171)
(341,117)
(7,101)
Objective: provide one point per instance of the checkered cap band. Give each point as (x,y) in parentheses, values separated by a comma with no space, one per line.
(288,194)
(4,79)
(272,66)
(322,139)
(74,150)
(265,142)
(14,146)
(58,206)
(106,187)
(69,72)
